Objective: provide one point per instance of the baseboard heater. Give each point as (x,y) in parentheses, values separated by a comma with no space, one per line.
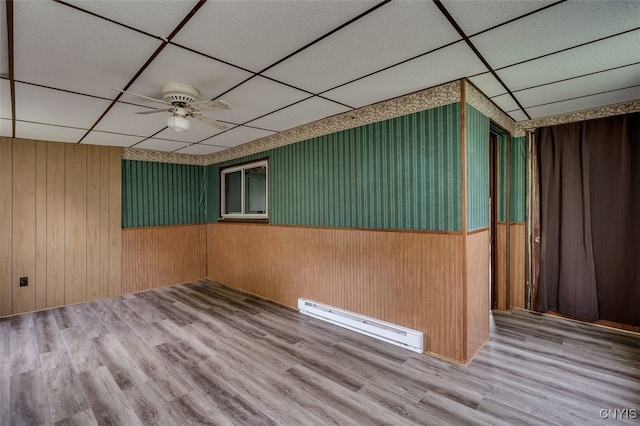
(391,333)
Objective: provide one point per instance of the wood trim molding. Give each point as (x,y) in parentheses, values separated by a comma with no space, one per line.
(464,207)
(408,231)
(477,231)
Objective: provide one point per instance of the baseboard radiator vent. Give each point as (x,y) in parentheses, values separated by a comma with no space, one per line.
(391,333)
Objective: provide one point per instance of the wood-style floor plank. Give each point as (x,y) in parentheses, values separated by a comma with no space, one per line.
(24,352)
(202,353)
(5,392)
(29,402)
(108,403)
(65,393)
(47,332)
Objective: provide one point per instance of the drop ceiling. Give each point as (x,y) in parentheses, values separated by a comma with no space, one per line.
(282,64)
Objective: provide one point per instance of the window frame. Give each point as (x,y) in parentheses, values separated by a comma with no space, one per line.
(256,217)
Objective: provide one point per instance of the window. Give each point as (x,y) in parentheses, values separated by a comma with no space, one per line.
(244,191)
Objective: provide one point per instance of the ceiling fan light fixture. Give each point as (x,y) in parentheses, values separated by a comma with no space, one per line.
(182,102)
(178,122)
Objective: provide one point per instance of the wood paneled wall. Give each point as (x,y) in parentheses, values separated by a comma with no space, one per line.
(60,213)
(517,260)
(159,256)
(409,278)
(510,270)
(6,226)
(500,281)
(477,292)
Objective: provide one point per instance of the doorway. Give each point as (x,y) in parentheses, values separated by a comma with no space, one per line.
(499,170)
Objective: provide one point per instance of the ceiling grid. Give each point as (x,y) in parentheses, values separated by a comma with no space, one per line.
(285,64)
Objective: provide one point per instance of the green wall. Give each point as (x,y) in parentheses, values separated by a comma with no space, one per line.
(402,173)
(477,125)
(503,163)
(518,179)
(162,194)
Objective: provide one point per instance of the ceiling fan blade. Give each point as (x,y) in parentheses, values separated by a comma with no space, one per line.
(210,121)
(217,104)
(155,111)
(141,96)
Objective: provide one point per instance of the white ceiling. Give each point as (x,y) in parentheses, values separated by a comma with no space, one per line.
(281,64)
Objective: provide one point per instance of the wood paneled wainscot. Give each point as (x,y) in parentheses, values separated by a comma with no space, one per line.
(412,279)
(159,256)
(477,292)
(517,260)
(510,270)
(59,223)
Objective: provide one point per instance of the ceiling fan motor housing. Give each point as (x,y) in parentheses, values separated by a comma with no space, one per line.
(176,93)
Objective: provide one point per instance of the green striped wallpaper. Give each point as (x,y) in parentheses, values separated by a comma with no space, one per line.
(162,194)
(402,173)
(518,179)
(502,169)
(477,125)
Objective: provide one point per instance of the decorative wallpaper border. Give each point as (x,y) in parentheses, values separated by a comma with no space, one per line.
(587,114)
(479,101)
(418,101)
(162,157)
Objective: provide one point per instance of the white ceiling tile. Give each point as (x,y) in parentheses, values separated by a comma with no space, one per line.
(395,32)
(477,15)
(518,115)
(505,102)
(5,128)
(257,97)
(568,89)
(200,149)
(605,54)
(57,46)
(5,99)
(488,84)
(158,18)
(110,139)
(177,65)
(587,102)
(237,136)
(48,133)
(256,34)
(49,106)
(559,27)
(122,118)
(161,145)
(301,113)
(67,49)
(430,70)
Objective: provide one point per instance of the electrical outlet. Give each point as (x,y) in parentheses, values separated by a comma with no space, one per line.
(24,281)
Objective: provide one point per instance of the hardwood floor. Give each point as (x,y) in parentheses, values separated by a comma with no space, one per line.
(201,353)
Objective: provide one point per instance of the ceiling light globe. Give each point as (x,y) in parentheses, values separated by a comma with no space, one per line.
(178,123)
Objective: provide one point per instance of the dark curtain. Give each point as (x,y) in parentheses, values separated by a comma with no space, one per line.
(589,219)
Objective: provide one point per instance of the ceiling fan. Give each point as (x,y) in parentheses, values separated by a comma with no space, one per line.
(182,102)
